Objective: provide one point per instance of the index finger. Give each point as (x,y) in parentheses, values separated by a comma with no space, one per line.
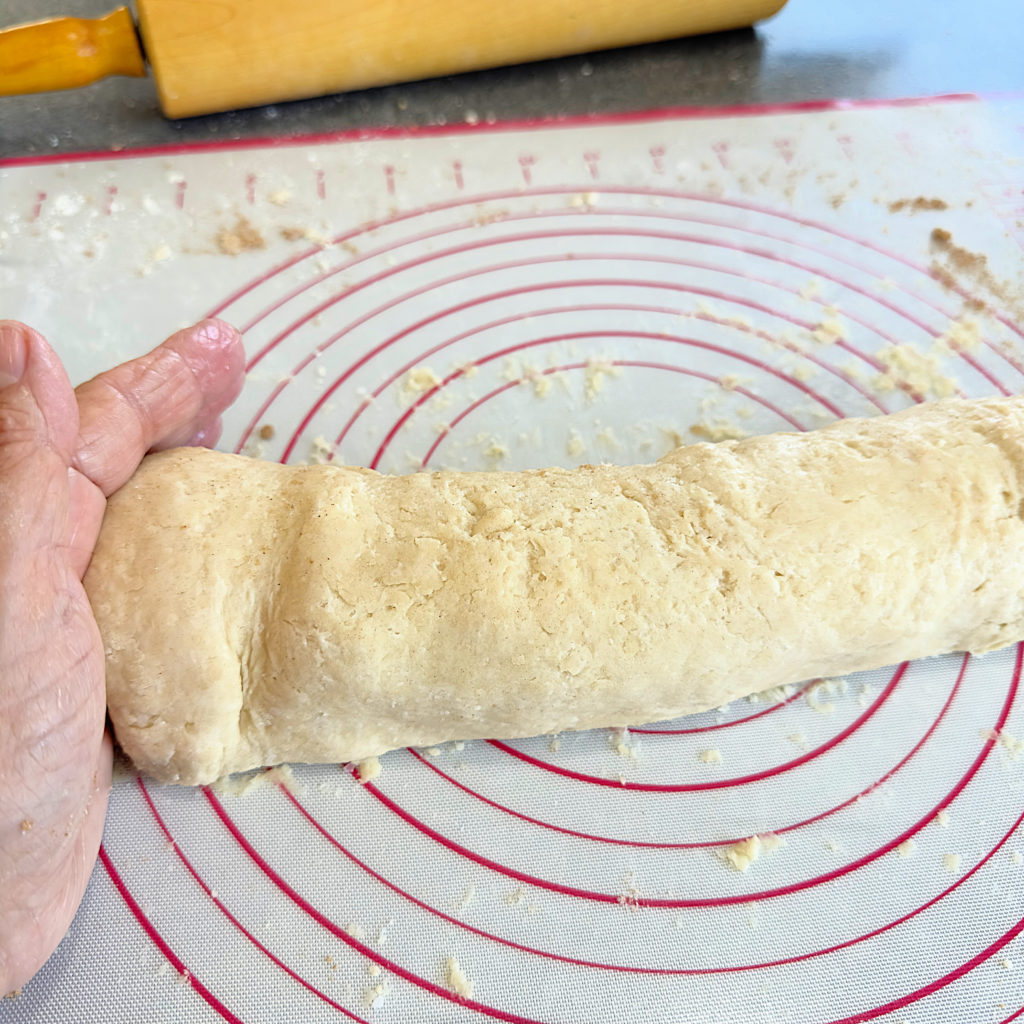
(160,400)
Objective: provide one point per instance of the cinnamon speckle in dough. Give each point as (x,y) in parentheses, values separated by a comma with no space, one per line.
(27,824)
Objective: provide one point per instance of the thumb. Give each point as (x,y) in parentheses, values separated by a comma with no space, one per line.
(38,427)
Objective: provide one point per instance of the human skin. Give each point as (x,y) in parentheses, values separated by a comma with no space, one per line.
(63,451)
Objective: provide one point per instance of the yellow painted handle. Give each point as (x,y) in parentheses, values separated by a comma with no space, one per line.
(64,53)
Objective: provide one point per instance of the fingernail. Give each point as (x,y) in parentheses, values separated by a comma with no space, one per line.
(13,352)
(217,332)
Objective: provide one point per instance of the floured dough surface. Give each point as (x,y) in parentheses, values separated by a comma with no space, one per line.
(254,613)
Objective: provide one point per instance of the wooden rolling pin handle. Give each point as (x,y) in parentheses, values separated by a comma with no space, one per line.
(64,53)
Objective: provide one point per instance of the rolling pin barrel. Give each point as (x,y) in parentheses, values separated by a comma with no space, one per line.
(210,57)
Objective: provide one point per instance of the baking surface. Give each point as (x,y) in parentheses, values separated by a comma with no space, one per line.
(526,297)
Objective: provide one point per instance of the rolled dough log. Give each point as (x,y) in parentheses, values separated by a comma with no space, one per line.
(254,613)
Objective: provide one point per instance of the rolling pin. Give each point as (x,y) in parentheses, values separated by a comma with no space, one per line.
(209,57)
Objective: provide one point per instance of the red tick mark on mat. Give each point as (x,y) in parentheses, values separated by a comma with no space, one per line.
(250,188)
(389,179)
(526,162)
(785,149)
(457,174)
(592,159)
(321,185)
(179,194)
(37,207)
(721,150)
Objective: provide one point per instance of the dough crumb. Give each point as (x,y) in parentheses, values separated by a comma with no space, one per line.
(961,335)
(243,237)
(598,370)
(906,848)
(456,980)
(731,381)
(826,708)
(867,693)
(1011,744)
(618,740)
(355,929)
(773,695)
(555,743)
(321,451)
(433,751)
(798,738)
(718,429)
(27,824)
(916,204)
(374,996)
(418,381)
(951,861)
(1006,964)
(373,970)
(942,818)
(710,756)
(1016,857)
(243,785)
(574,446)
(829,331)
(515,897)
(832,846)
(741,855)
(911,370)
(368,770)
(467,897)
(771,842)
(280,197)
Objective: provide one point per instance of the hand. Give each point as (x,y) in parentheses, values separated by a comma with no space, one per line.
(62,453)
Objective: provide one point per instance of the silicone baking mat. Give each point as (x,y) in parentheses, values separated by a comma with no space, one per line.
(522,295)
